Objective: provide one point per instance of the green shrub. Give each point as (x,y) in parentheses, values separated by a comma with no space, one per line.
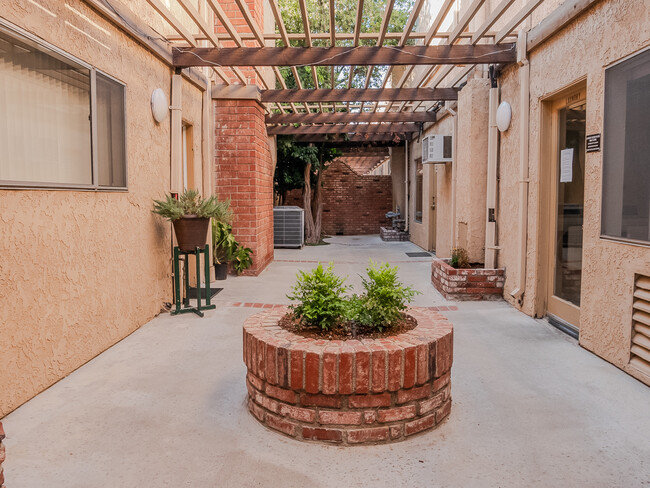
(459,258)
(320,295)
(384,300)
(224,244)
(191,203)
(241,258)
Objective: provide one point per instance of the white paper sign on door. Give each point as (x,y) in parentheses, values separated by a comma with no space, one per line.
(566,165)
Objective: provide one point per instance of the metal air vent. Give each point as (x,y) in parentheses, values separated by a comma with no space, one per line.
(288,227)
(640,348)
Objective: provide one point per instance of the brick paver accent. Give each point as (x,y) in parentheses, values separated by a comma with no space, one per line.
(467,284)
(349,392)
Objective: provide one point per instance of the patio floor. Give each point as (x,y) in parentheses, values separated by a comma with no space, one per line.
(165,406)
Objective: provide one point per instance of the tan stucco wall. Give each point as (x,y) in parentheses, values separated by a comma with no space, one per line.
(444,172)
(608,32)
(471,167)
(84,269)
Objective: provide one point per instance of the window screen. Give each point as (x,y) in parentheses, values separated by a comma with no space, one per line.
(46,113)
(626,150)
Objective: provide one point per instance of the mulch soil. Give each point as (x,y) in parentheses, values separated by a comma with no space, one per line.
(345,330)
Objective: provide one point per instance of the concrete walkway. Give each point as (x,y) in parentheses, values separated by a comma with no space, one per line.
(165,407)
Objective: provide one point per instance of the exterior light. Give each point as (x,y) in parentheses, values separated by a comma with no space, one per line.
(159,105)
(504,115)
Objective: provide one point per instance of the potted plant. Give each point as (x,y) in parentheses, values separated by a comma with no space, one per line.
(224,246)
(359,369)
(190,214)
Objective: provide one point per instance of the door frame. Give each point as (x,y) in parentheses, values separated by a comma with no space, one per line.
(550,106)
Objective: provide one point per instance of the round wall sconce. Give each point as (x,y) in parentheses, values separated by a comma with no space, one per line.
(159,105)
(504,115)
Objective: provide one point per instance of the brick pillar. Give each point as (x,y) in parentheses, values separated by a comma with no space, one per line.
(244,173)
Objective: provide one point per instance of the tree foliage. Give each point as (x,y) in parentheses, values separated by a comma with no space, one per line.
(345,18)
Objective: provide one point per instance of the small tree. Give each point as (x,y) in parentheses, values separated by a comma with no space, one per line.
(311,161)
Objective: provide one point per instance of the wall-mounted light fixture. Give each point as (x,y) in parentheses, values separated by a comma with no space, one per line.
(504,115)
(159,105)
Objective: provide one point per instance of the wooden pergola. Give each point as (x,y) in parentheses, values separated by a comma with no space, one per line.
(430,74)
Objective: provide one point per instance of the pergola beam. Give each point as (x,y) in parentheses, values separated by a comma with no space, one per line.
(344,129)
(347,118)
(335,56)
(352,140)
(359,95)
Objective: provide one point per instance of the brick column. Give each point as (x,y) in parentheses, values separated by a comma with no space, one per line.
(244,173)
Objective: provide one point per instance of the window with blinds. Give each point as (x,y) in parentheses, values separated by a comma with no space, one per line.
(52,108)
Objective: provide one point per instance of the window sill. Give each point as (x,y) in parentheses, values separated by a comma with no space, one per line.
(622,240)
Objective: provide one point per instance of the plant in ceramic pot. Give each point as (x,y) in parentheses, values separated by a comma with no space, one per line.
(224,246)
(190,214)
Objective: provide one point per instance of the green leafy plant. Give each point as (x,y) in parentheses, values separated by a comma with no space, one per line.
(320,293)
(224,244)
(459,258)
(191,203)
(384,300)
(242,259)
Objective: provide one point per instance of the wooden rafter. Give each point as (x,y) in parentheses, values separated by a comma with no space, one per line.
(358,95)
(340,36)
(334,56)
(347,117)
(354,139)
(344,129)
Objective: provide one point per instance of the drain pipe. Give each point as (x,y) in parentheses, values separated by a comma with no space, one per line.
(493,148)
(176,182)
(406,187)
(524,110)
(454,138)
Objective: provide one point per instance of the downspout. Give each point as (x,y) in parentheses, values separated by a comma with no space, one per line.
(176,180)
(524,110)
(453,176)
(406,187)
(493,148)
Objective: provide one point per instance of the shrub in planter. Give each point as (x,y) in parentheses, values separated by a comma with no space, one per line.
(190,214)
(322,303)
(459,258)
(380,388)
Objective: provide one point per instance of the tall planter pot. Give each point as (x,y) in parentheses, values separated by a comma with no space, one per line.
(220,271)
(191,232)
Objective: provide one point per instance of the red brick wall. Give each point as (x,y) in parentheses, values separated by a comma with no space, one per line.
(244,173)
(353,204)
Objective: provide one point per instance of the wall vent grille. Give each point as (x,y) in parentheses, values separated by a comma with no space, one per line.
(640,349)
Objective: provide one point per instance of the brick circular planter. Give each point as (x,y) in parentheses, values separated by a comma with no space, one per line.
(367,391)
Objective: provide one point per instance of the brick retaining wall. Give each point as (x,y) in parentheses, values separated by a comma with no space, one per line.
(353,204)
(467,284)
(349,392)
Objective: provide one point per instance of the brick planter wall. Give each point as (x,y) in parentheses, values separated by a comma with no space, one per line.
(2,456)
(467,284)
(349,392)
(353,204)
(389,234)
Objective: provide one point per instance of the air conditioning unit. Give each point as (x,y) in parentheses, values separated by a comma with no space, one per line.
(288,227)
(437,149)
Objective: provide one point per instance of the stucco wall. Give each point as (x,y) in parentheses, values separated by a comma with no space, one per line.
(444,172)
(84,269)
(471,167)
(608,32)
